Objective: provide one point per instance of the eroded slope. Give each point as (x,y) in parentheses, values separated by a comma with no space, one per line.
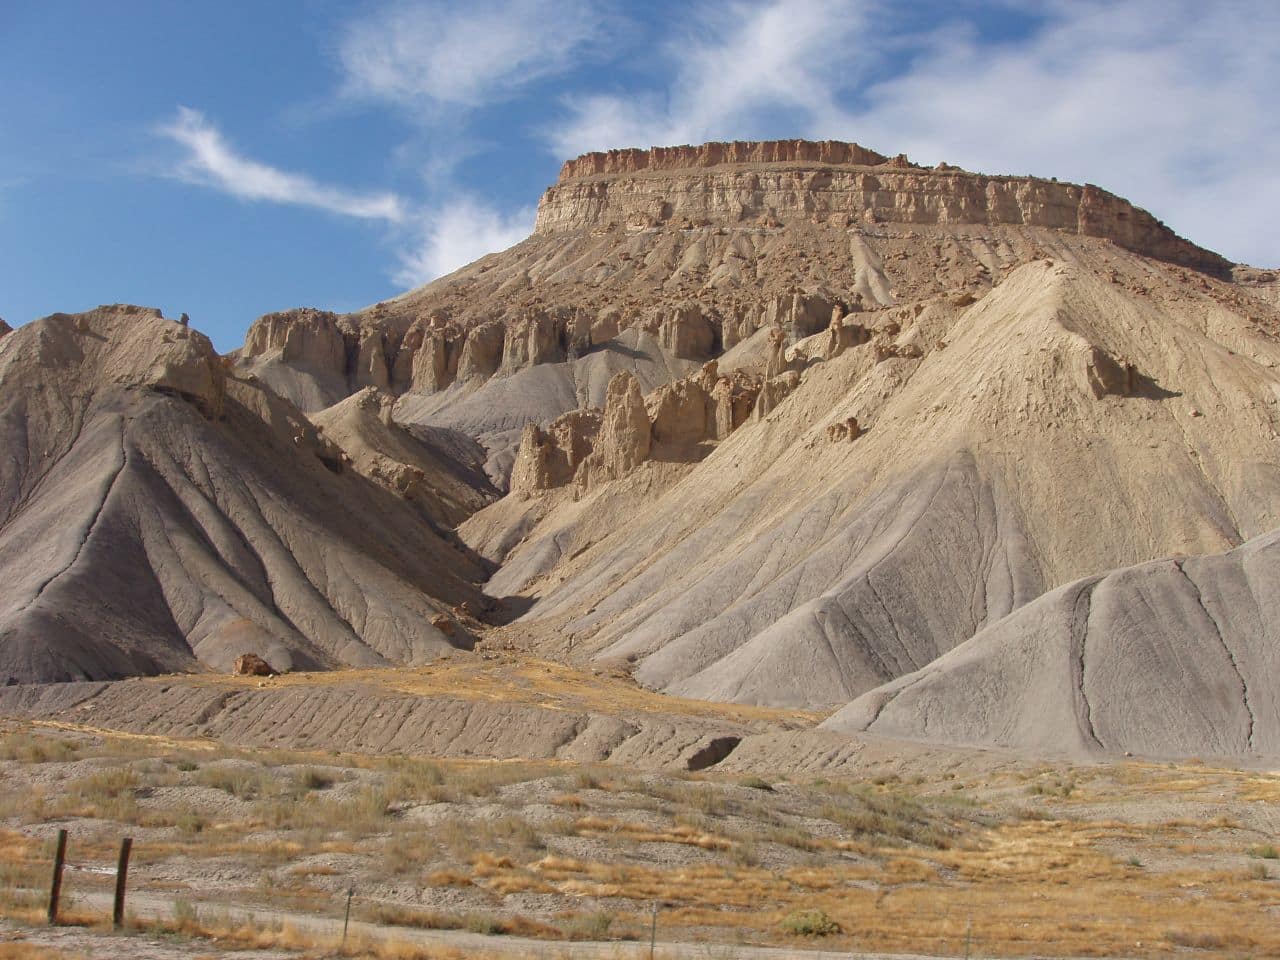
(159,515)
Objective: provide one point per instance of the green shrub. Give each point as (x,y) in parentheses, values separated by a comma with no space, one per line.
(809,923)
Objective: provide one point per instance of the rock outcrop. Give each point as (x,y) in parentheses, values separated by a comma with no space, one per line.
(532,339)
(773,391)
(780,181)
(251,665)
(841,336)
(4,328)
(482,351)
(686,333)
(551,458)
(676,422)
(625,436)
(305,337)
(614,162)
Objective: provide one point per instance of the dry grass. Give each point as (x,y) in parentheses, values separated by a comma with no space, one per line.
(27,951)
(896,863)
(520,679)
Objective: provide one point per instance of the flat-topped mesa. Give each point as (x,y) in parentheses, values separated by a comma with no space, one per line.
(633,159)
(768,184)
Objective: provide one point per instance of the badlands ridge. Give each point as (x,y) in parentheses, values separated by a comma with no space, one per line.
(966,459)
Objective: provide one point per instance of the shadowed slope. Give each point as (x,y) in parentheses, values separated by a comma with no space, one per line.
(155,515)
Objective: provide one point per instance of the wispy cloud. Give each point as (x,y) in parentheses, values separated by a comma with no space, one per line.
(457,234)
(425,55)
(742,67)
(211,161)
(1168,102)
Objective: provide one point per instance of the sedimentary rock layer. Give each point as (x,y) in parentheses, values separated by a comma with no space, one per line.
(717,184)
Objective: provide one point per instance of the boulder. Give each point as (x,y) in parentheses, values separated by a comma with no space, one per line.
(251,665)
(844,431)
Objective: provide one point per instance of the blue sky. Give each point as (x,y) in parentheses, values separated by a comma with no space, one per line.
(227,159)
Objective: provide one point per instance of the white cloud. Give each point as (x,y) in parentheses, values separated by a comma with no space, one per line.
(1169,103)
(211,161)
(426,54)
(460,232)
(742,62)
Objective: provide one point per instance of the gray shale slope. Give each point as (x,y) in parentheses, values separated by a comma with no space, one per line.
(1172,657)
(780,424)
(158,515)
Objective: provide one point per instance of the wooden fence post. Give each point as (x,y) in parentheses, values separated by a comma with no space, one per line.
(346,921)
(122,877)
(55,888)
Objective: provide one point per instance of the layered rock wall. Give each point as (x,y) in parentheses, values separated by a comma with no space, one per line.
(771,182)
(713,154)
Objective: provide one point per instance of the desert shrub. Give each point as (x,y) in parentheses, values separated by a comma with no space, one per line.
(1053,787)
(357,816)
(185,915)
(311,778)
(890,815)
(32,749)
(589,926)
(1266,851)
(482,923)
(188,821)
(416,781)
(108,794)
(1196,940)
(243,783)
(756,783)
(809,923)
(745,854)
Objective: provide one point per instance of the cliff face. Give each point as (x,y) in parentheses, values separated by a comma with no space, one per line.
(842,184)
(713,154)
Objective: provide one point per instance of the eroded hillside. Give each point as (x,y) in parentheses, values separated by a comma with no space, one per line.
(768,423)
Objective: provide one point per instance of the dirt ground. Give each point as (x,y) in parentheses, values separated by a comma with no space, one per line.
(898,855)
